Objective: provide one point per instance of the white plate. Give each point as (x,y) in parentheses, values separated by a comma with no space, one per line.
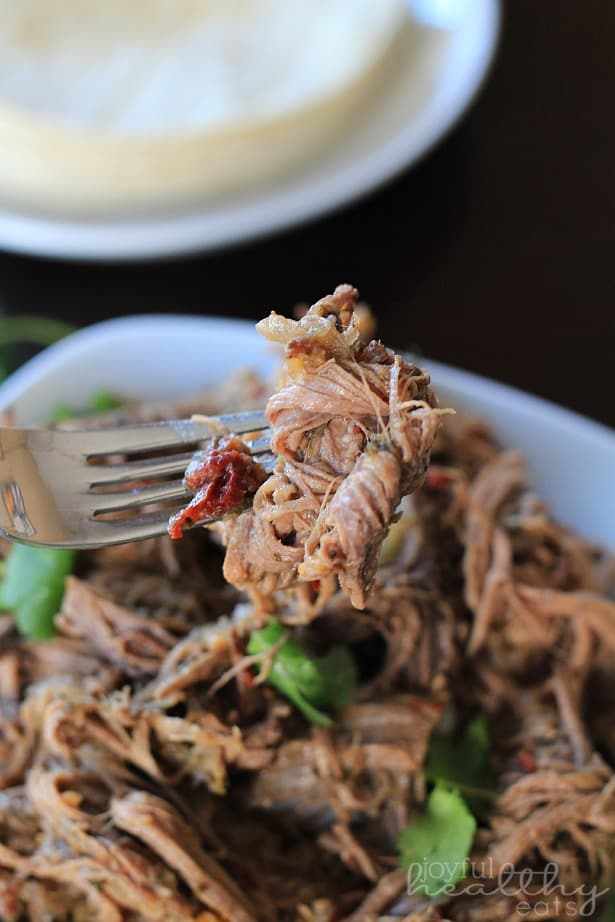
(431,85)
(571,459)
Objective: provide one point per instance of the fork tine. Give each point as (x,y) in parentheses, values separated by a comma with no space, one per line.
(161,492)
(267,461)
(126,440)
(48,488)
(263,443)
(244,422)
(126,471)
(101,532)
(153,436)
(141,496)
(101,475)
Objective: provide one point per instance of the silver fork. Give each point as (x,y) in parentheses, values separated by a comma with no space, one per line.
(67,488)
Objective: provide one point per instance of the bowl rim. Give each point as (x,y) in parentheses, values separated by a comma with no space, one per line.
(570,459)
(16,385)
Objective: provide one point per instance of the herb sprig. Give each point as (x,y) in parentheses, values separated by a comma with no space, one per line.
(435,847)
(33,587)
(311,683)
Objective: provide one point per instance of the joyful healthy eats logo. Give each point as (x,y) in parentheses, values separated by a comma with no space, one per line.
(540,893)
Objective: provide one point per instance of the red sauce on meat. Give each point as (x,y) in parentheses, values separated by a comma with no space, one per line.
(220,478)
(527,761)
(437,479)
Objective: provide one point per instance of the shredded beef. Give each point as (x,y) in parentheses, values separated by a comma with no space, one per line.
(150,771)
(353,426)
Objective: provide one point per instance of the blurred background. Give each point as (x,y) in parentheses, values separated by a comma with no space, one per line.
(494,253)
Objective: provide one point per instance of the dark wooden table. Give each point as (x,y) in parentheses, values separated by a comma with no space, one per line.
(497,254)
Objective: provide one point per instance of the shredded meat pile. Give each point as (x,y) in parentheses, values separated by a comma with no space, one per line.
(149,772)
(353,425)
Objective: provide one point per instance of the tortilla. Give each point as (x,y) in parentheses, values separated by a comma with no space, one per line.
(117,104)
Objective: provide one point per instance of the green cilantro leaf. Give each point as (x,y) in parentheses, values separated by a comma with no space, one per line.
(100,402)
(62,412)
(33,587)
(463,763)
(434,848)
(610,912)
(310,683)
(103,401)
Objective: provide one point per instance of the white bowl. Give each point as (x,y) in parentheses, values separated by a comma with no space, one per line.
(571,459)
